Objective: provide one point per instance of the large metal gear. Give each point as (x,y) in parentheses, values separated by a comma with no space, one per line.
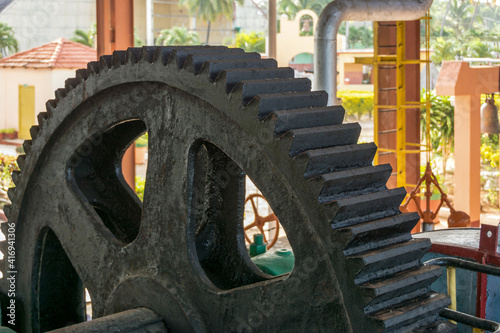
(213,115)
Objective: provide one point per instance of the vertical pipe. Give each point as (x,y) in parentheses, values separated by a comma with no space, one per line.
(375,95)
(452,287)
(115,30)
(325,37)
(103,27)
(124,24)
(149,23)
(400,102)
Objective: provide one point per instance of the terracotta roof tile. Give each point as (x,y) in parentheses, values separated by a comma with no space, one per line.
(61,53)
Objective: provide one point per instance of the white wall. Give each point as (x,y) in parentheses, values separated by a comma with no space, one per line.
(38,22)
(249,18)
(46,81)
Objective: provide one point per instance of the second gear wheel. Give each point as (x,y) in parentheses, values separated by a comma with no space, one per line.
(213,115)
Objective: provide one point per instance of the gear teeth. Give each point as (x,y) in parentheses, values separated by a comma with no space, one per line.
(42,118)
(105,62)
(304,139)
(195,62)
(179,55)
(60,94)
(250,89)
(133,55)
(27,146)
(82,75)
(7,209)
(34,131)
(383,263)
(235,76)
(342,184)
(119,58)
(400,288)
(367,207)
(286,120)
(148,53)
(380,233)
(162,54)
(70,84)
(21,159)
(94,66)
(16,176)
(413,314)
(11,193)
(268,103)
(338,158)
(215,69)
(51,105)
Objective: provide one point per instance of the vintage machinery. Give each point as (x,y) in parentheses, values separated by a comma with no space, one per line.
(213,115)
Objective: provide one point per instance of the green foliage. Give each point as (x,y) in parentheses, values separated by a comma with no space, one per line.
(360,37)
(462,29)
(8,165)
(250,42)
(85,38)
(137,40)
(210,10)
(357,103)
(8,43)
(142,141)
(177,36)
(492,197)
(478,49)
(441,122)
(291,7)
(489,150)
(140,185)
(444,49)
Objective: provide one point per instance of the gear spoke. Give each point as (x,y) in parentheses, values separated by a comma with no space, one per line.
(90,237)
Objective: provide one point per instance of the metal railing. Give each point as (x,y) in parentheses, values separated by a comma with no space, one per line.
(451,264)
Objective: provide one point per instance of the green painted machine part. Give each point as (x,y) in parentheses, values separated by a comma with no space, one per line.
(258,246)
(275,262)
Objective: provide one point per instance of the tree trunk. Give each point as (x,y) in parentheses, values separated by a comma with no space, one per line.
(208,32)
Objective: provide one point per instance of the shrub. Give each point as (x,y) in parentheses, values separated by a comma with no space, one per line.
(357,103)
(8,165)
(140,184)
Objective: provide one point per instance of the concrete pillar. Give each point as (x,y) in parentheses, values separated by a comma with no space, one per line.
(468,156)
(467,84)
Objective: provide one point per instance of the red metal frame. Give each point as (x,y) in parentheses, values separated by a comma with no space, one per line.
(485,254)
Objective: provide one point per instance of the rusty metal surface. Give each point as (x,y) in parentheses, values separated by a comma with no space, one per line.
(213,115)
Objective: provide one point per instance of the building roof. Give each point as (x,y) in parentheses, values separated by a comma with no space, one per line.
(61,53)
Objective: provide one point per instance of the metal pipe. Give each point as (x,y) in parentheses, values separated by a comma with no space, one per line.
(464,264)
(469,320)
(149,22)
(325,39)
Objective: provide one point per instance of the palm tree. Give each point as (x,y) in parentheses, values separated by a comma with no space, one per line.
(82,37)
(478,49)
(444,49)
(210,10)
(8,44)
(291,7)
(459,16)
(177,36)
